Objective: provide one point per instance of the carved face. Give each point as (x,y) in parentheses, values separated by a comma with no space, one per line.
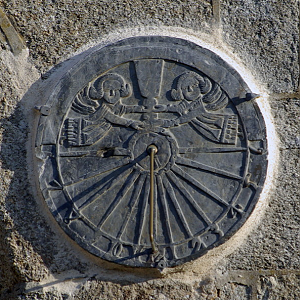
(111,89)
(190,88)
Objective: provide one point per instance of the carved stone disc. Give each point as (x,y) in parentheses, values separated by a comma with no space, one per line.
(94,167)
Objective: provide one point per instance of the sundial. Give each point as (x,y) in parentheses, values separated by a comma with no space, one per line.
(151,151)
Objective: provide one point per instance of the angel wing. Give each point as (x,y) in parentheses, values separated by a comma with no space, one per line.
(83,104)
(216,99)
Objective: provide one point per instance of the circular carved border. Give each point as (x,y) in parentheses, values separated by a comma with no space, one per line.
(93,169)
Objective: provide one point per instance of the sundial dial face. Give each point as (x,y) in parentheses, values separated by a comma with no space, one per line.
(94,162)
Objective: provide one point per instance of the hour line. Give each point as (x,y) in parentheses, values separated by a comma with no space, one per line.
(198,165)
(131,179)
(162,196)
(189,197)
(132,203)
(172,195)
(196,183)
(184,150)
(144,209)
(106,166)
(108,185)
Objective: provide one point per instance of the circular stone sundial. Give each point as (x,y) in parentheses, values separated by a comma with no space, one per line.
(151,151)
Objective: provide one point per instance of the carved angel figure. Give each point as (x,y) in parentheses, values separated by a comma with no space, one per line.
(199,98)
(101,102)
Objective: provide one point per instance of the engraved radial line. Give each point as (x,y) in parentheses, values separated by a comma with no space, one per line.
(132,203)
(172,195)
(109,184)
(189,197)
(107,166)
(196,183)
(87,153)
(183,150)
(93,153)
(162,195)
(121,194)
(157,162)
(197,165)
(144,208)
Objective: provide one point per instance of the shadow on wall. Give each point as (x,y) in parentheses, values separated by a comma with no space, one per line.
(31,248)
(25,239)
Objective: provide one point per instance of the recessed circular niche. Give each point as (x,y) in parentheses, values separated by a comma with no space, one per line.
(95,170)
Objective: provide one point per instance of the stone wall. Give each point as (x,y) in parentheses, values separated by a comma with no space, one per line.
(261,40)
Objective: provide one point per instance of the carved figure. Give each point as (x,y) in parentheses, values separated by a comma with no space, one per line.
(101,101)
(199,97)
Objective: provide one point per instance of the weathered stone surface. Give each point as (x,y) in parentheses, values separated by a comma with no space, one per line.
(9,36)
(54,29)
(230,286)
(44,296)
(279,287)
(20,220)
(26,244)
(210,288)
(19,262)
(148,290)
(275,243)
(286,114)
(164,290)
(265,35)
(223,288)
